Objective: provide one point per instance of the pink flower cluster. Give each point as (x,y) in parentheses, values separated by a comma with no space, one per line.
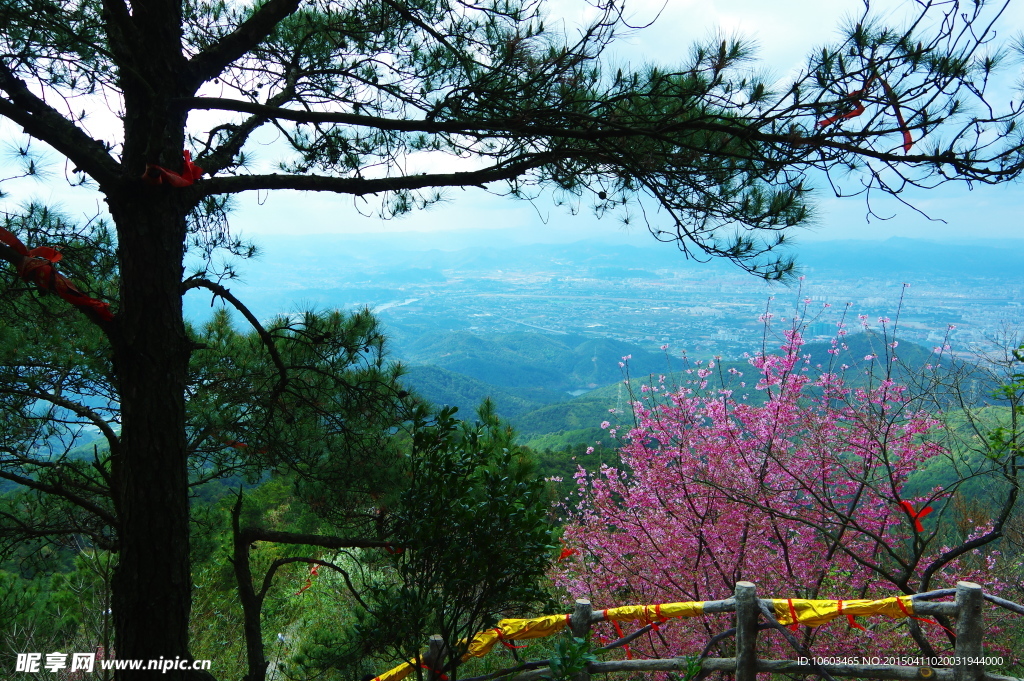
(799,492)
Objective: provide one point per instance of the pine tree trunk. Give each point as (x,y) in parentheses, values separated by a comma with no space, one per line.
(152,584)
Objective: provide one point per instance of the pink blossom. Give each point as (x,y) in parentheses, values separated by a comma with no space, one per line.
(604,424)
(711,490)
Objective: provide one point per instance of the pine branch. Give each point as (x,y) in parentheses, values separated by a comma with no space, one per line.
(45,123)
(360,186)
(62,492)
(209,63)
(252,534)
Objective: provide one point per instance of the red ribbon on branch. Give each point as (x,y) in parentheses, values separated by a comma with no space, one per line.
(566,552)
(190,172)
(859,108)
(36,267)
(314,570)
(916,515)
(908,141)
(236,444)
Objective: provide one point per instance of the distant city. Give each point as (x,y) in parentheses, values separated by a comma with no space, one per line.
(648,296)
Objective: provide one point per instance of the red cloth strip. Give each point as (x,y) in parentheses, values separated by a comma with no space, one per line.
(857,110)
(618,630)
(795,624)
(190,172)
(566,552)
(441,676)
(850,618)
(906,612)
(501,638)
(916,515)
(36,267)
(908,141)
(314,570)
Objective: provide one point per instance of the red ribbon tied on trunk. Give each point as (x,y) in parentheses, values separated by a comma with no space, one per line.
(916,515)
(36,267)
(190,172)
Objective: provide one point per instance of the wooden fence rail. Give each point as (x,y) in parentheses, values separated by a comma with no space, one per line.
(753,615)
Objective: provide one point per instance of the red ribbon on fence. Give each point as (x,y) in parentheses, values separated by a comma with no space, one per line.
(657,613)
(920,619)
(505,642)
(618,630)
(850,618)
(916,515)
(190,172)
(36,267)
(441,676)
(792,613)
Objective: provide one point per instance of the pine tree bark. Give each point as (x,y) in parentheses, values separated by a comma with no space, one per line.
(152,583)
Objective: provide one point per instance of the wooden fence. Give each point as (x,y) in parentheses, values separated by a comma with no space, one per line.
(968,655)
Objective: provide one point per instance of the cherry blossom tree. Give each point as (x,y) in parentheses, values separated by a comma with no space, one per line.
(800,487)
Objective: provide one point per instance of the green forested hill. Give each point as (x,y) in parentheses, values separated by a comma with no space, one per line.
(443,387)
(574,420)
(558,363)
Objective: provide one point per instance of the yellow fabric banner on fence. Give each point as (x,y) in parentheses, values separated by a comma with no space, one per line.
(655,613)
(811,613)
(515,630)
(398,673)
(816,613)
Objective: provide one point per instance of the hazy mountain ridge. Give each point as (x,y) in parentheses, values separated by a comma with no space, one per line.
(578,419)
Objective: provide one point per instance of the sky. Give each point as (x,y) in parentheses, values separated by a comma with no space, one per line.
(784,30)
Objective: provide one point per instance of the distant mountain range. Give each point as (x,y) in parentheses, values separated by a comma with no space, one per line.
(529,376)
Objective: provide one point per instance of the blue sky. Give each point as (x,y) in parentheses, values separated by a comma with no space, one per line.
(785,31)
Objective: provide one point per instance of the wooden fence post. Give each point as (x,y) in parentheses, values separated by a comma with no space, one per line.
(579,625)
(747,611)
(434,659)
(969,632)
